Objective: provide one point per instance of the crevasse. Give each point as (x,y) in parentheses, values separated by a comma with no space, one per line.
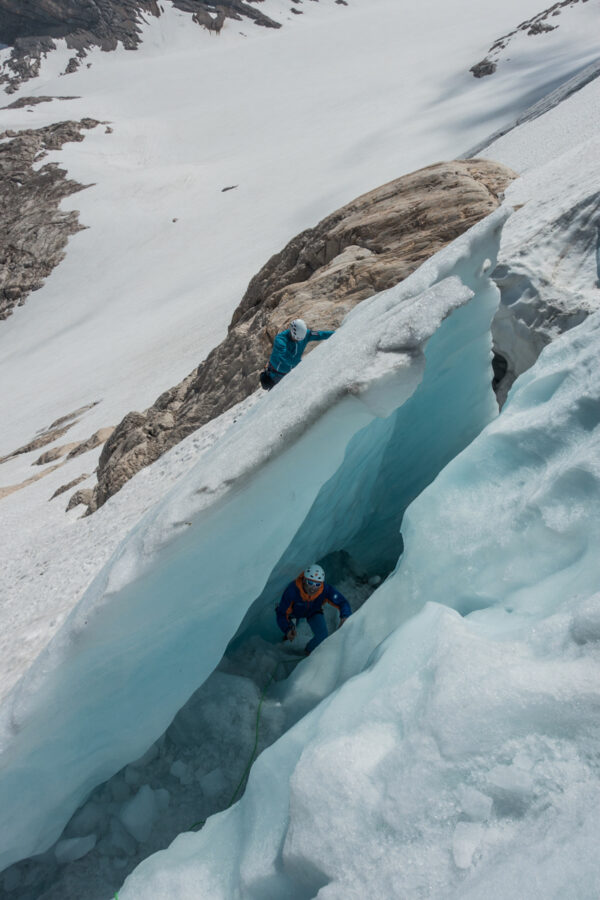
(327,462)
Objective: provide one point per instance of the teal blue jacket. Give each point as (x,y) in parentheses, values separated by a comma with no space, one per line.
(287,353)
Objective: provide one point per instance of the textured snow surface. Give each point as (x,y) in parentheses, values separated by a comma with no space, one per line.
(461,760)
(463,754)
(549,262)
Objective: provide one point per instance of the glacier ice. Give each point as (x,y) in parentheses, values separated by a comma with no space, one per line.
(156,621)
(548,266)
(461,760)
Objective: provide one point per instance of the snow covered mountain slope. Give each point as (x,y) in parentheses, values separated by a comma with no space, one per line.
(140,298)
(511,520)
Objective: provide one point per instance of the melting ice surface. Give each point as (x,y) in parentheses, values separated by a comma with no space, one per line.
(362,429)
(462,760)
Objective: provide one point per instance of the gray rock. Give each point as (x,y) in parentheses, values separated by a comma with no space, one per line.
(37,443)
(82,496)
(536,25)
(55,453)
(34,230)
(22,102)
(69,485)
(12,488)
(99,437)
(30,27)
(366,247)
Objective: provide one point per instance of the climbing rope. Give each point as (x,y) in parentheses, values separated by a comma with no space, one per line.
(254,749)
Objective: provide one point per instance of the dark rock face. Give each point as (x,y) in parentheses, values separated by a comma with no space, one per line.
(536,25)
(34,230)
(30,27)
(366,247)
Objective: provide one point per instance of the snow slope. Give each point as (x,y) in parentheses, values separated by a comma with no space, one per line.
(65,725)
(140,299)
(301,119)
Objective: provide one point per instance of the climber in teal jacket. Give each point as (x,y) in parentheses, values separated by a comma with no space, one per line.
(288,348)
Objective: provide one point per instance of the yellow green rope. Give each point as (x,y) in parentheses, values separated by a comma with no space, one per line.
(252,755)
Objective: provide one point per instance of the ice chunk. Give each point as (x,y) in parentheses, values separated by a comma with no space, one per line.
(475,805)
(119,839)
(11,879)
(74,848)
(465,841)
(163,799)
(133,776)
(86,819)
(139,813)
(511,788)
(585,625)
(213,783)
(151,753)
(182,772)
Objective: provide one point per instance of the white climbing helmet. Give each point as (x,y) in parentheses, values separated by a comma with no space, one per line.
(298,329)
(313,576)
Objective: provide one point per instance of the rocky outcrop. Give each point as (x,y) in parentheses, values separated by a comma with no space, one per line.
(13,488)
(55,453)
(367,246)
(539,24)
(52,433)
(47,437)
(30,27)
(23,102)
(76,448)
(83,497)
(70,484)
(34,230)
(95,440)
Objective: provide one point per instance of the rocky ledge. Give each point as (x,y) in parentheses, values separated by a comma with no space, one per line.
(35,231)
(366,247)
(30,27)
(539,24)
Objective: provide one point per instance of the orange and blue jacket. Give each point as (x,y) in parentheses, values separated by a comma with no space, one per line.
(295,603)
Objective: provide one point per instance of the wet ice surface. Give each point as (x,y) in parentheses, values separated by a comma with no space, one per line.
(197,768)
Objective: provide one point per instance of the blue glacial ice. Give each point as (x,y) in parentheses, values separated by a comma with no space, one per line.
(461,760)
(329,461)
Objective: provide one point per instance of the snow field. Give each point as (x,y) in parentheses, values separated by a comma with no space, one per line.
(140,299)
(495,816)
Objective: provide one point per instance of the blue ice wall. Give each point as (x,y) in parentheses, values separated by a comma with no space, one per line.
(302,474)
